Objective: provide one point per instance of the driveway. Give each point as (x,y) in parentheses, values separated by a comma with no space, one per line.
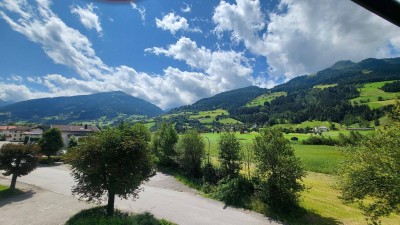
(163,196)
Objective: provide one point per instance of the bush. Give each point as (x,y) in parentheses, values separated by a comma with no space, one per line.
(235,191)
(211,174)
(97,216)
(320,140)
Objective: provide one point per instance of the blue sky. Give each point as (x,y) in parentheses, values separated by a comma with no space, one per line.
(174,53)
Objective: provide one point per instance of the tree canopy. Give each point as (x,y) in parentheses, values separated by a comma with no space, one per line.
(115,161)
(164,144)
(279,171)
(191,152)
(229,154)
(51,142)
(370,174)
(18,160)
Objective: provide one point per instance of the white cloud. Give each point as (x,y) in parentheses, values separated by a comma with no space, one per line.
(244,21)
(64,45)
(88,18)
(308,35)
(173,23)
(141,11)
(187,8)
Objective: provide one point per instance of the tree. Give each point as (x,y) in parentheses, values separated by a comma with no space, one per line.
(115,161)
(394,114)
(191,152)
(278,170)
(164,144)
(18,160)
(370,173)
(51,142)
(229,154)
(73,142)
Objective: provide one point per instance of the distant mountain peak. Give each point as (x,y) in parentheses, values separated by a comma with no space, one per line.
(342,64)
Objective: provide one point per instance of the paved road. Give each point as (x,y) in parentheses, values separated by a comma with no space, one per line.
(162,195)
(37,206)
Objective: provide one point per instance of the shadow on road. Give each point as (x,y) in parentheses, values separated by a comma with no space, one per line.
(17,197)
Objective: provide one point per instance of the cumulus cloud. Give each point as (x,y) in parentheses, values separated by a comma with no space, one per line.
(61,43)
(213,71)
(173,23)
(307,35)
(88,18)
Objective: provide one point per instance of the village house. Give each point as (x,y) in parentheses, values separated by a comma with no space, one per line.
(19,133)
(78,131)
(320,129)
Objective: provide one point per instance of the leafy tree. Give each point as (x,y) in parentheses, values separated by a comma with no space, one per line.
(229,154)
(115,161)
(279,171)
(18,160)
(394,114)
(51,142)
(191,152)
(370,174)
(164,144)
(73,142)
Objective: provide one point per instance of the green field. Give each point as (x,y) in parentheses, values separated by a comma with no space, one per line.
(316,158)
(370,93)
(207,117)
(323,86)
(305,124)
(260,100)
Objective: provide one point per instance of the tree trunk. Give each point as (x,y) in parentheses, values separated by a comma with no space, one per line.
(13,181)
(110,204)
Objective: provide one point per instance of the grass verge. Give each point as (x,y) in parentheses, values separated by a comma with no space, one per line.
(6,192)
(97,216)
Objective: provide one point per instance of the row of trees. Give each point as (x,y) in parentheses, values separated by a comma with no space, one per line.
(275,182)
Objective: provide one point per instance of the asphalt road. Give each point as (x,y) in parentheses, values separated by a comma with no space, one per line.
(163,196)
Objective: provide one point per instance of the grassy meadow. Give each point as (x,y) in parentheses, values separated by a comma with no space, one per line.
(260,100)
(370,93)
(321,200)
(323,86)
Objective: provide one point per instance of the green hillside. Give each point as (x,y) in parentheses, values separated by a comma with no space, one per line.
(260,100)
(374,97)
(102,107)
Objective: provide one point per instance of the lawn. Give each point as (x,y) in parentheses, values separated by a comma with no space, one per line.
(6,192)
(370,93)
(97,216)
(260,100)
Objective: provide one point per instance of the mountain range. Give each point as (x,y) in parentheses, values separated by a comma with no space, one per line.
(78,108)
(295,101)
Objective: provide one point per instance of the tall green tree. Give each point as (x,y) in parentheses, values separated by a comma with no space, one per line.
(164,144)
(191,152)
(18,160)
(229,154)
(115,162)
(51,142)
(279,171)
(370,173)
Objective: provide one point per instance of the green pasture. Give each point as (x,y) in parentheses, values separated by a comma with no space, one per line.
(323,86)
(260,100)
(305,124)
(316,158)
(370,93)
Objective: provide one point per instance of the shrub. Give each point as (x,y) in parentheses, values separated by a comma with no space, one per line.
(236,191)
(320,140)
(190,153)
(211,174)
